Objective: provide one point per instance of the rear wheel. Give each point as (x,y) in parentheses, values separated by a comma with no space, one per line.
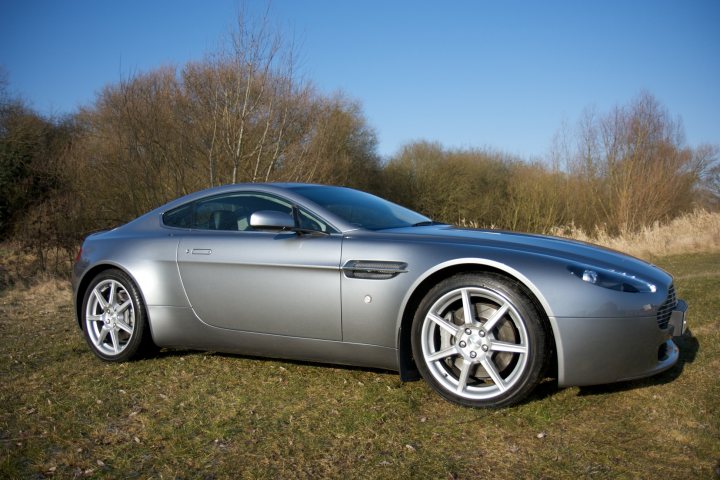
(478,340)
(114,320)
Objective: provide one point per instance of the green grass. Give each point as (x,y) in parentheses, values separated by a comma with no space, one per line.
(66,414)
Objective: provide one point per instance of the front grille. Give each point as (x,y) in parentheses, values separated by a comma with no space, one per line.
(666,309)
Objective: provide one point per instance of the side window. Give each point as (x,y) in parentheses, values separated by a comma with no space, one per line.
(310,222)
(180,217)
(225,212)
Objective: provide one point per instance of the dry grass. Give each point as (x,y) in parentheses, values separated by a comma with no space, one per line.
(694,232)
(66,414)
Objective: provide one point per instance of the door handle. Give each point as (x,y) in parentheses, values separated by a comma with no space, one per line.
(201,251)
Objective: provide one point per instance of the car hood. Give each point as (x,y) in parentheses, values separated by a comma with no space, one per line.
(571,250)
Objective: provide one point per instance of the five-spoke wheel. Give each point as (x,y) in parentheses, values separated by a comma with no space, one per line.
(114,316)
(478,340)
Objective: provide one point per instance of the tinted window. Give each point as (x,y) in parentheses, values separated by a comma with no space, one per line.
(232,212)
(180,217)
(224,212)
(310,222)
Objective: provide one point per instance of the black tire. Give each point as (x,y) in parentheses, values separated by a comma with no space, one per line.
(114,319)
(472,365)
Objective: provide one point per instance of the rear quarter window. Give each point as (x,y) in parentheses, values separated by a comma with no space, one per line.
(180,217)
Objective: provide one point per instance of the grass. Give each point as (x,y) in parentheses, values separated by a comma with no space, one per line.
(185,414)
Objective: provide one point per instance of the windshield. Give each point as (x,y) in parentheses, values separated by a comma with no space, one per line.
(361,209)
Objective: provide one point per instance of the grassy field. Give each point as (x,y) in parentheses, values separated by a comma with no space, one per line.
(184,414)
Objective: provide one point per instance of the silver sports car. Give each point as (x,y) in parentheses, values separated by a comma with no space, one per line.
(331,274)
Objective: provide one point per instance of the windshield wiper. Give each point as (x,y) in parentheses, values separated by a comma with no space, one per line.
(426,223)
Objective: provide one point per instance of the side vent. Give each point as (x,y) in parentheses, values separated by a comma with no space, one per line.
(373,269)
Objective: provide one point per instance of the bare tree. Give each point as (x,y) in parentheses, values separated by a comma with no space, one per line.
(251,85)
(240,115)
(631,166)
(706,162)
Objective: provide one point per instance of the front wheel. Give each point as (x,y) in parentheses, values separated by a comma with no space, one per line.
(478,340)
(114,320)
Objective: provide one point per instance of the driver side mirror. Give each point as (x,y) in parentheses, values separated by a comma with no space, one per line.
(271,220)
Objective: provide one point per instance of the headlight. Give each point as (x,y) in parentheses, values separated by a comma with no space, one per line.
(614,280)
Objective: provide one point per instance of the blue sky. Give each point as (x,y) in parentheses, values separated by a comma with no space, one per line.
(498,74)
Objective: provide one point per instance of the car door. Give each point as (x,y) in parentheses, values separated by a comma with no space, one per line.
(279,283)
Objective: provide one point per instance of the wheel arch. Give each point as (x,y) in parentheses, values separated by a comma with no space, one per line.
(90,275)
(406,363)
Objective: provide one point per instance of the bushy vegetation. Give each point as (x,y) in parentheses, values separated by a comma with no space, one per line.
(242,115)
(621,171)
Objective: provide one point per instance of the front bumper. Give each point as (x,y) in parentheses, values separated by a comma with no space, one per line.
(593,351)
